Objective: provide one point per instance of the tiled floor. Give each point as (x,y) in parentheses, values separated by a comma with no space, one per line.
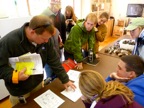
(5,103)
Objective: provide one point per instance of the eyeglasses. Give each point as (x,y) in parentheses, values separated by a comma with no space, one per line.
(44,26)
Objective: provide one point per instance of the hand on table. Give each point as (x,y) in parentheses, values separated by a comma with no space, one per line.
(70,84)
(79,66)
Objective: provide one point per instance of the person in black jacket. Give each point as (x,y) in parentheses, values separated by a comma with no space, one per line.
(33,37)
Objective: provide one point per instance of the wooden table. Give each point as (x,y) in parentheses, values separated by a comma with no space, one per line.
(56,87)
(106,65)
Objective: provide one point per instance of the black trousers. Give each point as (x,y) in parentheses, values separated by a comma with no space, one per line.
(71,56)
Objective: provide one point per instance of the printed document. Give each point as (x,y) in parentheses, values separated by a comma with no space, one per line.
(32,62)
(73,75)
(71,94)
(49,100)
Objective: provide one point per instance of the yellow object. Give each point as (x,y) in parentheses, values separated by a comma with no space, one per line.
(28,65)
(15,77)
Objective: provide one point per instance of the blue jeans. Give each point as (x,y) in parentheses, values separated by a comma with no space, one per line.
(49,72)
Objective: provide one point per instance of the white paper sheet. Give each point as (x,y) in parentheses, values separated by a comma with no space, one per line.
(36,58)
(73,75)
(49,100)
(71,94)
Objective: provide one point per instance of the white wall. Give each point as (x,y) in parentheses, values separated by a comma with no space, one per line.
(7,8)
(119,7)
(3,90)
(86,8)
(13,8)
(76,4)
(78,8)
(65,3)
(9,24)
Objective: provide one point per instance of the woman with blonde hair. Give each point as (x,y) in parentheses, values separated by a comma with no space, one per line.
(97,93)
(70,17)
(102,30)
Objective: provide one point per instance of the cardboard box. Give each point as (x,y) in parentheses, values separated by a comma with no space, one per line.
(121,23)
(118,31)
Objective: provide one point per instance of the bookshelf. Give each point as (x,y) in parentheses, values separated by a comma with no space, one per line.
(119,28)
(100,6)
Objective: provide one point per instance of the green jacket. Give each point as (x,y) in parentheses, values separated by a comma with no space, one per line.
(77,38)
(15,44)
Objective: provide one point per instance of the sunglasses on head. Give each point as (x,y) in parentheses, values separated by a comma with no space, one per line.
(42,26)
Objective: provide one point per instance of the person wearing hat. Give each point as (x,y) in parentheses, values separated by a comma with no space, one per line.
(136,28)
(54,11)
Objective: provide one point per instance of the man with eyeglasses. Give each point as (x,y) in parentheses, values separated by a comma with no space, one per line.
(32,37)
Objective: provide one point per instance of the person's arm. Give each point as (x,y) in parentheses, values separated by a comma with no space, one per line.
(53,61)
(101,33)
(79,65)
(69,84)
(76,35)
(76,48)
(7,48)
(92,41)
